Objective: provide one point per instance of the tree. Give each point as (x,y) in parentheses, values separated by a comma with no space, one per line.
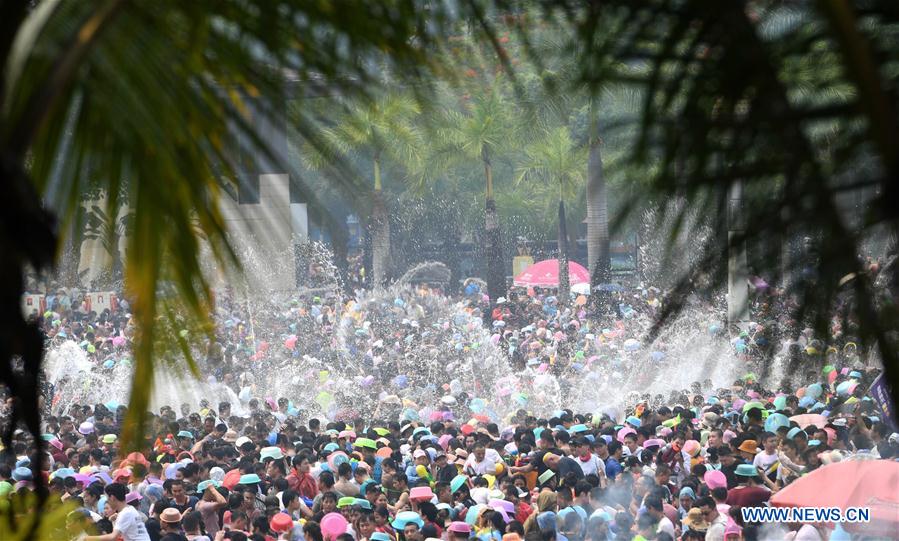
(744,93)
(552,161)
(375,130)
(149,92)
(480,130)
(598,241)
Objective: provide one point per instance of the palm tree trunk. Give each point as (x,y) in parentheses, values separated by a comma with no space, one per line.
(598,258)
(564,280)
(380,232)
(496,278)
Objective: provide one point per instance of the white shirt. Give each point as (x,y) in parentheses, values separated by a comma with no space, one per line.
(491,458)
(129,524)
(764,460)
(592,466)
(665,525)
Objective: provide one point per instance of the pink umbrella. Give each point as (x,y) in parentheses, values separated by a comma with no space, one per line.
(546,274)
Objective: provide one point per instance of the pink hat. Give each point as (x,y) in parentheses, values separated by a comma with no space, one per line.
(715,479)
(691,447)
(459,527)
(624,432)
(444,441)
(497,503)
(133,496)
(728,435)
(421,494)
(419,453)
(56,443)
(347,434)
(653,442)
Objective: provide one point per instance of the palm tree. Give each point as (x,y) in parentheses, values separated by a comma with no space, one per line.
(555,161)
(480,131)
(598,242)
(150,93)
(377,130)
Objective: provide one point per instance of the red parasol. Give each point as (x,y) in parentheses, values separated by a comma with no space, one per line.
(851,483)
(546,274)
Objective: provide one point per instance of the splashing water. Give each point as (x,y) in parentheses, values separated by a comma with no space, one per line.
(411,353)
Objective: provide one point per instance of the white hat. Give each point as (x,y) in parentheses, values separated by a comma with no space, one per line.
(242,440)
(501,300)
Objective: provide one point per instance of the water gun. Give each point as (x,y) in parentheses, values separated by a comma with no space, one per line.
(423,473)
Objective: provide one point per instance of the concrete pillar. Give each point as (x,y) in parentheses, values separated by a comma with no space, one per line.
(737,265)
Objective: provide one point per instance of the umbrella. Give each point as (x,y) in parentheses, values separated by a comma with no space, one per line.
(546,274)
(851,483)
(808,419)
(608,287)
(581,288)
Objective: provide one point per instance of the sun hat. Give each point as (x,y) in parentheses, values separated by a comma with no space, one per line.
(694,520)
(457,483)
(170,515)
(577,429)
(746,470)
(366,443)
(249,479)
(273,453)
(133,496)
(346,501)
(458,527)
(749,446)
(715,479)
(362,503)
(63,473)
(21,474)
(421,493)
(379,536)
(185,434)
(407,517)
(419,453)
(381,431)
(795,431)
(280,523)
(86,428)
(653,442)
(545,476)
(109,439)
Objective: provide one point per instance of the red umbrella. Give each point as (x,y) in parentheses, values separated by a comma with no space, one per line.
(546,274)
(851,483)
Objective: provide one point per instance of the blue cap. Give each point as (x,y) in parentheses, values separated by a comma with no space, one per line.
(21,474)
(634,421)
(380,536)
(814,443)
(185,434)
(331,447)
(249,479)
(457,483)
(407,517)
(795,431)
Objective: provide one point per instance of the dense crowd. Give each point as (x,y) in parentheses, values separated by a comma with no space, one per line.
(439,458)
